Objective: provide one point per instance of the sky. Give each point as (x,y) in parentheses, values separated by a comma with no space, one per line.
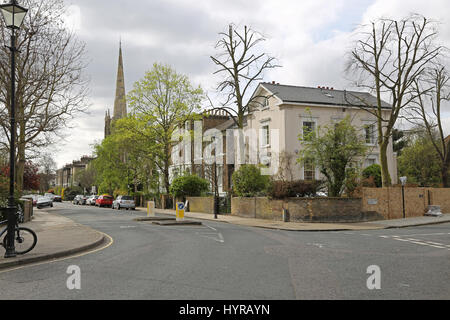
(310,39)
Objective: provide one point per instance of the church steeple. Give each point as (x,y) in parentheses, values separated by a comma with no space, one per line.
(120,105)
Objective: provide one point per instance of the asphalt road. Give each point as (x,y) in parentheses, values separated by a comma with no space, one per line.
(225,261)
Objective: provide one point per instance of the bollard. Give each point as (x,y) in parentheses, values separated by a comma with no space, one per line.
(150,208)
(180,211)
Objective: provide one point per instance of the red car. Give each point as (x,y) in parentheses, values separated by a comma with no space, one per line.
(104,201)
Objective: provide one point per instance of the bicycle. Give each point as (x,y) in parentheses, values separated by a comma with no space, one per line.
(25,239)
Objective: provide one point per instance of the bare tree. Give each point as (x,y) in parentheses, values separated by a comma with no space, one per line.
(47,169)
(432,91)
(51,87)
(242,66)
(387,59)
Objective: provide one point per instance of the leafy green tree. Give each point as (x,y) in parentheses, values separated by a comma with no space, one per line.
(373,171)
(333,148)
(161,103)
(249,182)
(419,162)
(189,185)
(126,158)
(108,165)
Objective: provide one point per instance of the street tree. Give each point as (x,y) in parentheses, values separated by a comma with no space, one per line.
(418,160)
(47,169)
(386,60)
(162,101)
(242,65)
(86,178)
(427,111)
(333,148)
(50,82)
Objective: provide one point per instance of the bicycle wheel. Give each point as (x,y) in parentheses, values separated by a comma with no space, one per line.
(24,240)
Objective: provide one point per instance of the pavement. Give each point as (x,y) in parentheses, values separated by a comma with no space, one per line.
(299,226)
(60,237)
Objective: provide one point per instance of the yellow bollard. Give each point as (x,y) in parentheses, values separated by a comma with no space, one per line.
(180,211)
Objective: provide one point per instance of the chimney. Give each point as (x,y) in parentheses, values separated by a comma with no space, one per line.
(273,82)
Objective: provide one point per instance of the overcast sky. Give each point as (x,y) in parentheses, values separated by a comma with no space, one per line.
(310,39)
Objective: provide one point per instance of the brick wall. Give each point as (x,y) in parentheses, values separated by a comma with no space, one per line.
(388,201)
(201,204)
(303,209)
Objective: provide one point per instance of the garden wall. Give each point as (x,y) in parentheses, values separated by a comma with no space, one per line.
(201,204)
(375,204)
(303,209)
(388,201)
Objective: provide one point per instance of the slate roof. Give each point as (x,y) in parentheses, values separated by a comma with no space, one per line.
(306,95)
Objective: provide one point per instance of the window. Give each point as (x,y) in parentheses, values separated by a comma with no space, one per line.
(369,131)
(370,162)
(265,103)
(308,128)
(309,170)
(265,139)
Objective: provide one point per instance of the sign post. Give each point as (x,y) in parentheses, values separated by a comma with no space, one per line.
(150,208)
(180,211)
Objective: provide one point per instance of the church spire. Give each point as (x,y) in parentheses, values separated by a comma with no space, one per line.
(120,105)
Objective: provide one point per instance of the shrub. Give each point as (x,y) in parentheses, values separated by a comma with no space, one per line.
(375,172)
(188,185)
(351,182)
(292,189)
(249,182)
(71,193)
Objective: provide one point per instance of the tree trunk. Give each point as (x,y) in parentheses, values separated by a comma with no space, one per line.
(444,174)
(385,176)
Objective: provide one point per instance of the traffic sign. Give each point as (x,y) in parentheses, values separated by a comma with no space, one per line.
(180,211)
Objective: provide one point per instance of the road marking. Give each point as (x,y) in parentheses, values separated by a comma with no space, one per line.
(218,238)
(407,238)
(316,245)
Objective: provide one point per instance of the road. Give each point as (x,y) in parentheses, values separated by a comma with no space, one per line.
(225,261)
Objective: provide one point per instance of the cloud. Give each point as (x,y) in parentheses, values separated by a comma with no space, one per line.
(310,39)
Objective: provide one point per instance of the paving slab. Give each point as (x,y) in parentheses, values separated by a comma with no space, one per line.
(58,237)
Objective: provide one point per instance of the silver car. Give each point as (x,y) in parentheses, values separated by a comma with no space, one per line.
(43,202)
(91,200)
(126,202)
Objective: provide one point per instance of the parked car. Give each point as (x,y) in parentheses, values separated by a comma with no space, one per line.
(79,199)
(104,201)
(31,197)
(50,196)
(91,200)
(43,202)
(126,202)
(57,199)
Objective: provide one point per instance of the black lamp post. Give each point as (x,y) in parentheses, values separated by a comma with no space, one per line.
(403,181)
(13,15)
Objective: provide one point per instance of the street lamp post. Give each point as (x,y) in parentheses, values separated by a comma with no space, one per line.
(403,181)
(13,15)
